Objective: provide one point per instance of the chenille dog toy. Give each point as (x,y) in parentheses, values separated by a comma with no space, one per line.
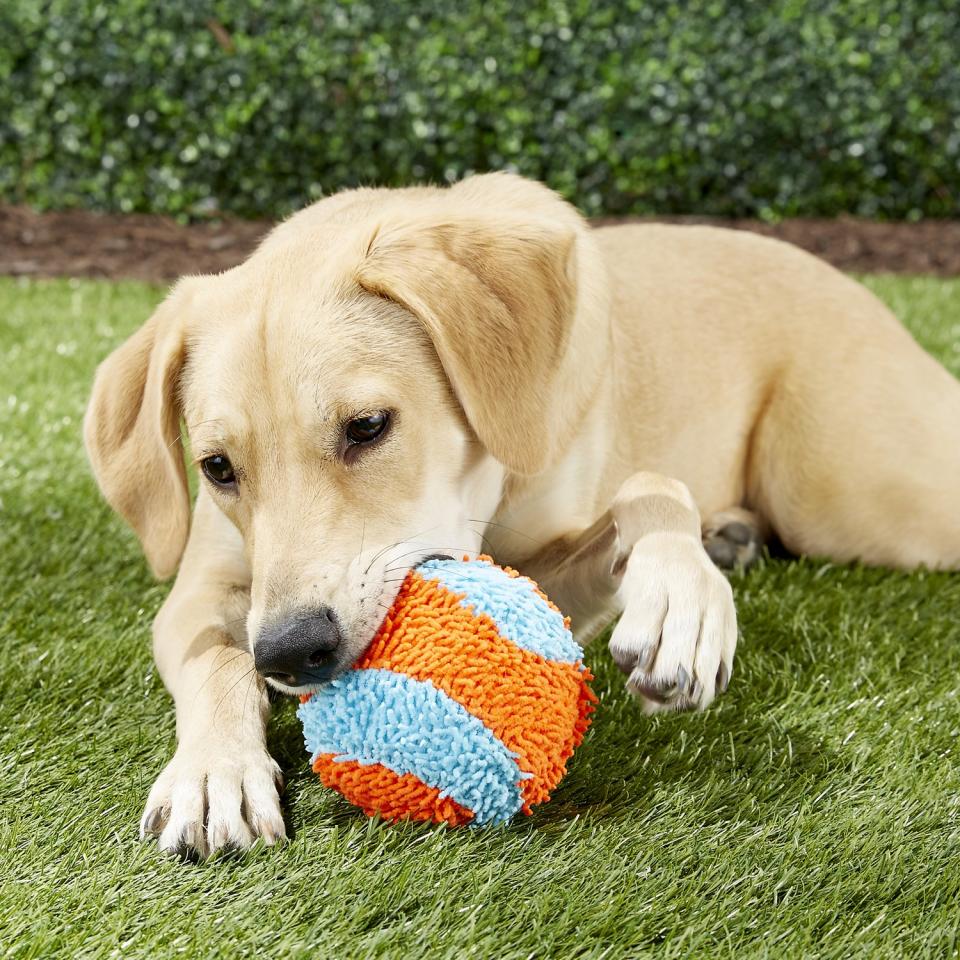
(466,706)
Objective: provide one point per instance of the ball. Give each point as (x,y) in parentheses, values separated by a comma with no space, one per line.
(464,709)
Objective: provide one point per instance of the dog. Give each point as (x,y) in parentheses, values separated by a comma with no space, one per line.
(397,374)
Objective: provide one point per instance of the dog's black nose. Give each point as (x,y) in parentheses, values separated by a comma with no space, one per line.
(301,650)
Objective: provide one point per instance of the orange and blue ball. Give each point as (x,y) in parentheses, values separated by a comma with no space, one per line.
(466,706)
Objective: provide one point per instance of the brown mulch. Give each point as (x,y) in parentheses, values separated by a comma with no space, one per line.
(79,243)
(144,247)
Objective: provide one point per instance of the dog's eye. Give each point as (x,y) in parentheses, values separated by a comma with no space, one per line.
(219,470)
(367,429)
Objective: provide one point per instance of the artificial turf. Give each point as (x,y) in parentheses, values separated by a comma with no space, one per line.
(812,811)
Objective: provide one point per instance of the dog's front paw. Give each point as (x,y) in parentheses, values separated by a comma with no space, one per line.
(215,796)
(678,632)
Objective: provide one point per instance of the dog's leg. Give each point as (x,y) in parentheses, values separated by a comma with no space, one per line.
(733,538)
(221,787)
(678,631)
(857,453)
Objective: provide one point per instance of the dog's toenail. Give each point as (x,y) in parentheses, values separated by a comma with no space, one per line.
(683,679)
(640,657)
(738,533)
(723,677)
(269,837)
(722,552)
(658,694)
(154,820)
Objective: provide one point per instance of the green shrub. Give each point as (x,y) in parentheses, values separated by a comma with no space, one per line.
(726,107)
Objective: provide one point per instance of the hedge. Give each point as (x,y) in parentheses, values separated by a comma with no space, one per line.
(722,107)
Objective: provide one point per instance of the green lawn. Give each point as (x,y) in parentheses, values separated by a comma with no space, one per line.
(813,811)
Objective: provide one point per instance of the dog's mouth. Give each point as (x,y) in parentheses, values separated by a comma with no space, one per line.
(310,677)
(307,683)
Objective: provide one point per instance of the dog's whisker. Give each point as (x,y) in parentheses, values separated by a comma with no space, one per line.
(374,598)
(222,666)
(396,543)
(252,686)
(461,549)
(503,526)
(230,690)
(485,543)
(379,554)
(243,706)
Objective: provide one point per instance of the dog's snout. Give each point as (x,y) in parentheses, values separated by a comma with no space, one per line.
(300,650)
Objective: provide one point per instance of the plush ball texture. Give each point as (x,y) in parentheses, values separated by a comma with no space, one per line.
(466,706)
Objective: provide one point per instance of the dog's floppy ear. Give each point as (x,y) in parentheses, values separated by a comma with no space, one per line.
(132,435)
(497,299)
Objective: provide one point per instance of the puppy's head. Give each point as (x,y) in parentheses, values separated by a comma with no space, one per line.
(354,395)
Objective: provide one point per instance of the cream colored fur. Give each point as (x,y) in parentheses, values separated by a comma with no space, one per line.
(582,403)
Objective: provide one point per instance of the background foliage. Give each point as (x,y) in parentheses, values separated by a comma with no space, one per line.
(724,107)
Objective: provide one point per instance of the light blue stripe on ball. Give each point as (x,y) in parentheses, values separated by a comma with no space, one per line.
(409,726)
(512,603)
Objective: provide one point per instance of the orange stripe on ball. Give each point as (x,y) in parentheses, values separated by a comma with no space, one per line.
(380,791)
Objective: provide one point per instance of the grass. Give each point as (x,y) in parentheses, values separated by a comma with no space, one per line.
(812,812)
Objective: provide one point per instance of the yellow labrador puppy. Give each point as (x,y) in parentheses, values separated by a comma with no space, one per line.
(396,374)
